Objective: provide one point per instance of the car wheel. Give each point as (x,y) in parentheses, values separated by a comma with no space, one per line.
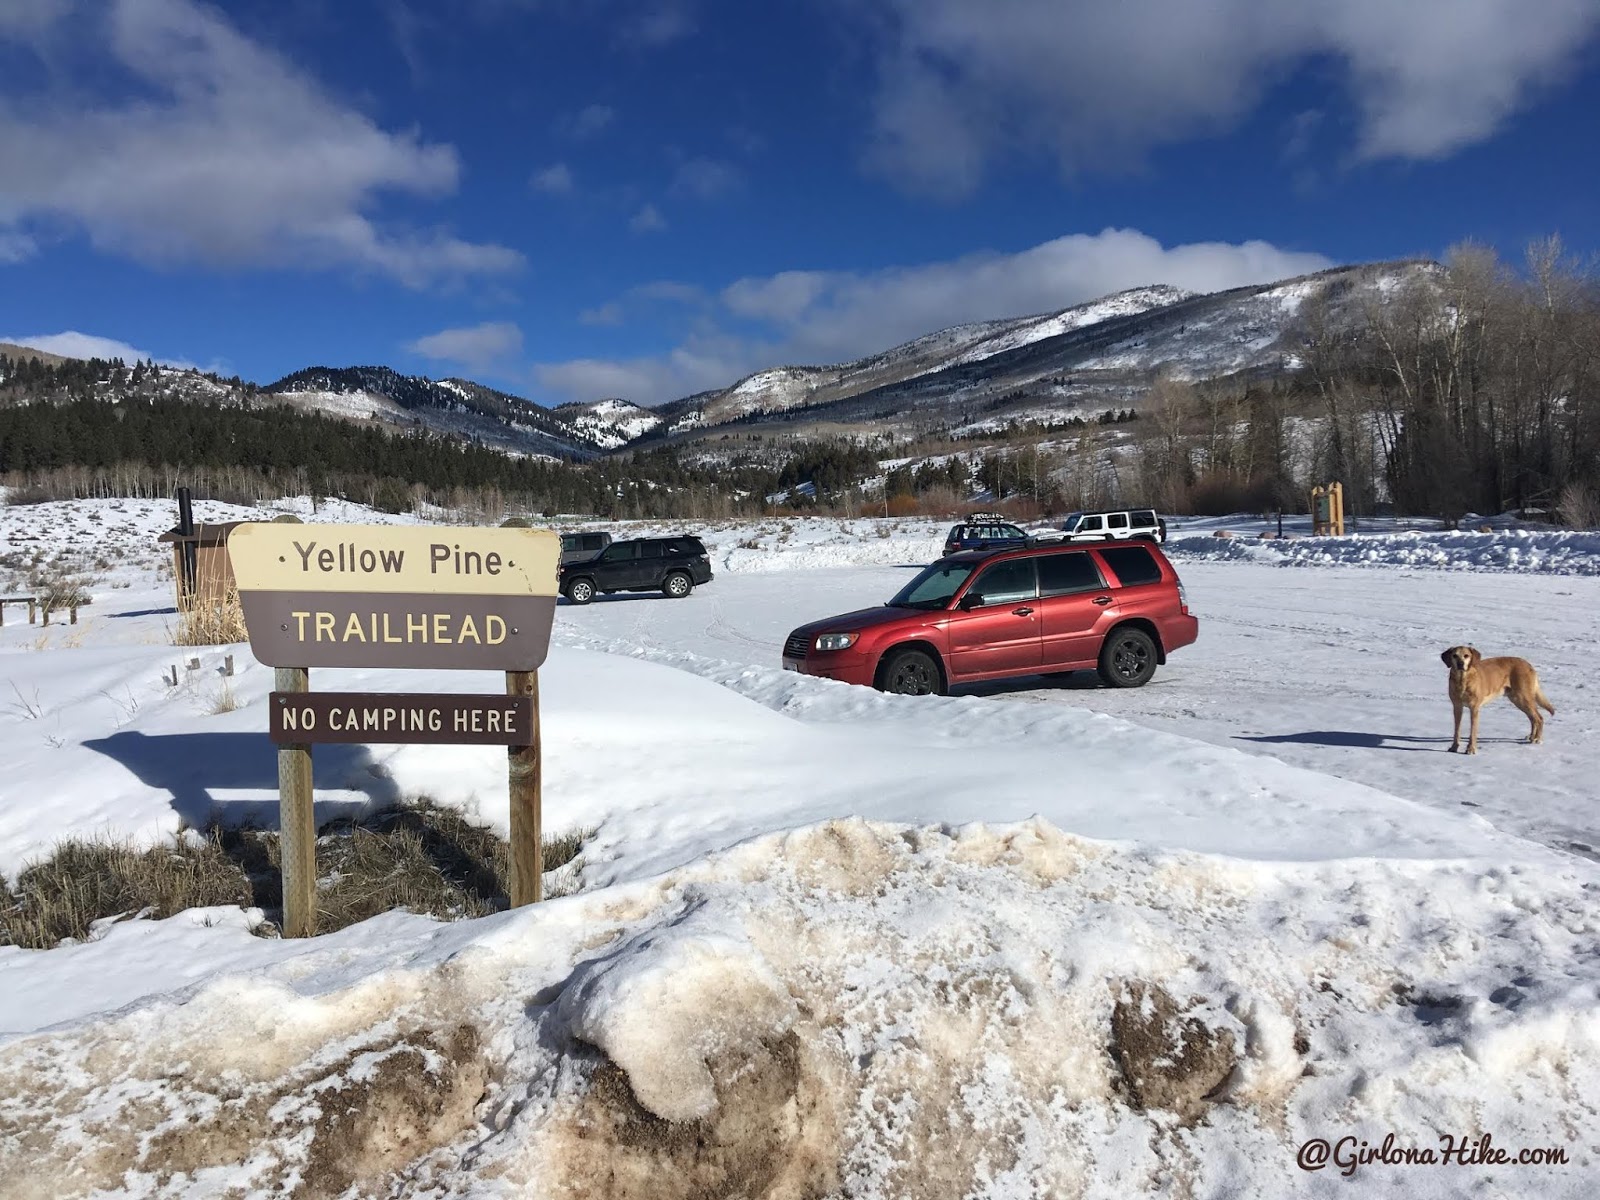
(580,591)
(677,585)
(911,673)
(1128,658)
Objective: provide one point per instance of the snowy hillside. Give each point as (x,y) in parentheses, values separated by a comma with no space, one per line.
(1078,361)
(455,407)
(608,424)
(824,941)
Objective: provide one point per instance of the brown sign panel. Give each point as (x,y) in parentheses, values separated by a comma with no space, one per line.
(364,629)
(429,718)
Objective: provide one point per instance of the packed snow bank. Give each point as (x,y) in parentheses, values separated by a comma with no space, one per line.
(855,1009)
(666,764)
(1569,552)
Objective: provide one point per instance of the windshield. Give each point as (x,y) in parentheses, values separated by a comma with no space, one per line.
(933,586)
(1071,520)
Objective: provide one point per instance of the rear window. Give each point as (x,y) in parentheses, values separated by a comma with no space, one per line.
(1144,516)
(1133,565)
(1064,574)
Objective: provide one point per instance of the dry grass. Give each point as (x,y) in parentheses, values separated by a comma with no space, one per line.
(418,857)
(211,621)
(1580,506)
(85,882)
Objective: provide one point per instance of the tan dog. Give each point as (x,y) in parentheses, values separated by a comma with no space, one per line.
(1476,680)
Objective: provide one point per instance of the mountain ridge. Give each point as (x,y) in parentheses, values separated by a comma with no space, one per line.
(1039,368)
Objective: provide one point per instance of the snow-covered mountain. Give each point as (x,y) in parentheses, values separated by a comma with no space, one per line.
(608,424)
(456,407)
(987,375)
(1081,359)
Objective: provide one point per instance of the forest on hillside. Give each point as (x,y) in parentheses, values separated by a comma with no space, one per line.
(1473,388)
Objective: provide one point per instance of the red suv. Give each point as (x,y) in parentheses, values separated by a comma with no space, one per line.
(1118,608)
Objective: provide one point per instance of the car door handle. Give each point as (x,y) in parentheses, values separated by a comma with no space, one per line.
(1021,612)
(1102,601)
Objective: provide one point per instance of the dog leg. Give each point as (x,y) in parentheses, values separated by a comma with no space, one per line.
(1535,721)
(1455,740)
(1472,738)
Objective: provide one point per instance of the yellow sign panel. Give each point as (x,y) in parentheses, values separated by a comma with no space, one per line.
(436,560)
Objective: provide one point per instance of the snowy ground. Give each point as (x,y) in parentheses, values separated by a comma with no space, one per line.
(849,944)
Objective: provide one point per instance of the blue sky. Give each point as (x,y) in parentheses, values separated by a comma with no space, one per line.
(573,199)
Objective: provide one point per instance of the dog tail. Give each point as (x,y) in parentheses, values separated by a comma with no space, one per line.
(1544,702)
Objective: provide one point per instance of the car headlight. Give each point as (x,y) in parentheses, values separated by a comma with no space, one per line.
(836,641)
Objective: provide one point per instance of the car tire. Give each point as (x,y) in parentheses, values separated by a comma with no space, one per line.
(1127,658)
(910,673)
(579,591)
(677,585)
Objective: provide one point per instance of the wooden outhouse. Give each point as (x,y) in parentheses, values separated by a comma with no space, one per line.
(200,565)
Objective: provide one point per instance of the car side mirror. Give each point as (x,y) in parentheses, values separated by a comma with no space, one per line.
(970,601)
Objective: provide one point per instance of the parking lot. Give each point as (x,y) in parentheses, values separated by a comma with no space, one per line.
(1336,669)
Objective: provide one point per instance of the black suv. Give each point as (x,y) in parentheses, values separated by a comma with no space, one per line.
(673,565)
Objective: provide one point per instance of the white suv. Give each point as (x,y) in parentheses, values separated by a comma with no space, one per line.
(1108,525)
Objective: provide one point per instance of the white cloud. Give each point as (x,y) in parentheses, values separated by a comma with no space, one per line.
(706,179)
(837,316)
(591,120)
(15,247)
(657,25)
(610,313)
(692,367)
(233,156)
(72,344)
(647,220)
(476,347)
(1095,84)
(554,180)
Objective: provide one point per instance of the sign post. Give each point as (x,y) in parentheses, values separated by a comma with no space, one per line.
(297,826)
(525,769)
(398,597)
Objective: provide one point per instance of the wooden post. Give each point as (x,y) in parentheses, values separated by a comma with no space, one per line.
(32,606)
(297,827)
(527,847)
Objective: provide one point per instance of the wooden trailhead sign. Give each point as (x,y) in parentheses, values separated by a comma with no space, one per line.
(396,596)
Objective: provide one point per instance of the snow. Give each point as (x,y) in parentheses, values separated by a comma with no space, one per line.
(1122,304)
(869,944)
(609,424)
(1565,552)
